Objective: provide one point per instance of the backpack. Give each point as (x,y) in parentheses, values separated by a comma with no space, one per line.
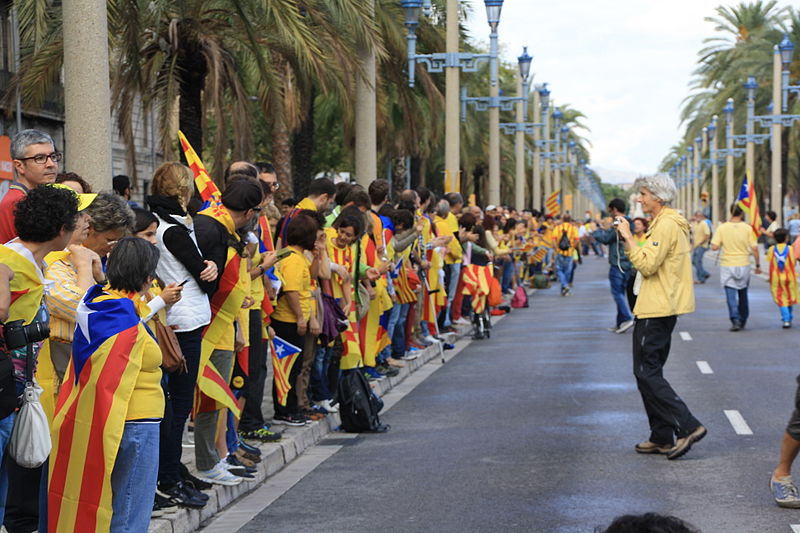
(358,405)
(520,298)
(563,242)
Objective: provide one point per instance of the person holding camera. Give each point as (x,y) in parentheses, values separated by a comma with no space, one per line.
(665,290)
(620,268)
(44,221)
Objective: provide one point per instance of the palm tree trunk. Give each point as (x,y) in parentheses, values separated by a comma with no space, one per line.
(303,148)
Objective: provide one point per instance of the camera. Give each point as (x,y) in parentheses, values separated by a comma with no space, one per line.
(17,335)
(615,223)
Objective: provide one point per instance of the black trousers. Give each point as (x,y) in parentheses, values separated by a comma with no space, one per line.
(252,417)
(288,332)
(668,415)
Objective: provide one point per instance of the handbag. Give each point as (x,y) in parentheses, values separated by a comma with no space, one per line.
(30,443)
(172,359)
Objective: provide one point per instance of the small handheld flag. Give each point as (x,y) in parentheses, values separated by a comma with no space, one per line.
(553,203)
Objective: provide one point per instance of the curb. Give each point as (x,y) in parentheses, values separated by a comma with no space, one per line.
(276,456)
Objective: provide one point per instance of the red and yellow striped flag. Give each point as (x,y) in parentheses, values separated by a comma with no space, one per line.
(553,204)
(476,284)
(226,302)
(284,355)
(782,275)
(749,203)
(107,354)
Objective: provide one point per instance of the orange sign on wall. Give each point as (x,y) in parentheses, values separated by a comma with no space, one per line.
(6,168)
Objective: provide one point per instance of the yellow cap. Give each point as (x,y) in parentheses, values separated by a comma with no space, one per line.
(84,199)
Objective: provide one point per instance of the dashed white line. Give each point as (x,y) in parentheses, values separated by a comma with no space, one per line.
(737,421)
(704,367)
(795,528)
(685,336)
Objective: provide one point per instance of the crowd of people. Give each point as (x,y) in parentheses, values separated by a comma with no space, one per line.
(140,320)
(135,322)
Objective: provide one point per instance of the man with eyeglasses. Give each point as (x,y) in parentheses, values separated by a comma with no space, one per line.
(35,163)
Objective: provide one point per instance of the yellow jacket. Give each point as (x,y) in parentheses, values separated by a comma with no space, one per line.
(665,264)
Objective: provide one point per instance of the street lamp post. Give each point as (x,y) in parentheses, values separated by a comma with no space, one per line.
(537,171)
(524,62)
(451,62)
(714,200)
(493,8)
(544,93)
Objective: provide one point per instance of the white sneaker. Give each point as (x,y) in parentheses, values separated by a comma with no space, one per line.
(462,321)
(410,356)
(625,326)
(326,404)
(431,339)
(219,475)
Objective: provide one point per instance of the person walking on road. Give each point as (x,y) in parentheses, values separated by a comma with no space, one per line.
(565,241)
(665,290)
(738,243)
(782,276)
(701,235)
(620,268)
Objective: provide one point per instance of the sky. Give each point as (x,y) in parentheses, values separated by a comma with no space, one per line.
(626,64)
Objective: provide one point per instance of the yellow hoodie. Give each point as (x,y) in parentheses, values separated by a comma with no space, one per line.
(665,264)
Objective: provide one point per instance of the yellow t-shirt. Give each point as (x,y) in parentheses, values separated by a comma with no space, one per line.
(736,240)
(295,275)
(147,400)
(700,231)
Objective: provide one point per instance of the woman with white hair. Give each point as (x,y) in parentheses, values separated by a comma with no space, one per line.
(665,290)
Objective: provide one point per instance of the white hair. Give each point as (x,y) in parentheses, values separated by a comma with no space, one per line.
(660,185)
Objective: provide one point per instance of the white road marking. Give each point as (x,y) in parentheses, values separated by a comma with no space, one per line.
(795,528)
(737,421)
(704,367)
(685,336)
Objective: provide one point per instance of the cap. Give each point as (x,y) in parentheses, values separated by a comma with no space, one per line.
(84,199)
(491,207)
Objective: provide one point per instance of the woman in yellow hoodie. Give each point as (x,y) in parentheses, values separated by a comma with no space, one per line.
(665,290)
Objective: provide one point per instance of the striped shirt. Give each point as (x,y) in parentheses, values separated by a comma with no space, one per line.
(63,299)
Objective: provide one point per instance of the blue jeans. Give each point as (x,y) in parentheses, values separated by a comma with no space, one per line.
(452,286)
(738,310)
(697,262)
(6,425)
(508,275)
(786,313)
(398,335)
(394,317)
(564,269)
(319,374)
(133,480)
(619,284)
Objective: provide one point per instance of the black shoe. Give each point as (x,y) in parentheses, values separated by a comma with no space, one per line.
(387,370)
(381,428)
(236,466)
(162,505)
(190,480)
(252,450)
(178,495)
(737,326)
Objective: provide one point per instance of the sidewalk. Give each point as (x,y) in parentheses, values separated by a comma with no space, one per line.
(276,456)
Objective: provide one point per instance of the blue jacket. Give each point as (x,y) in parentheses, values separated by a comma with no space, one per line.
(616,250)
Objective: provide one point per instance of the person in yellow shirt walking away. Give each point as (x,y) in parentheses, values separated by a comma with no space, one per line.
(738,243)
(782,275)
(565,242)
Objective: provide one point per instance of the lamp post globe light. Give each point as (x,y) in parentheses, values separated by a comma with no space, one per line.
(713,139)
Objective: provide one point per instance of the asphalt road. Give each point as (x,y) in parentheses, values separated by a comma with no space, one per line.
(533,430)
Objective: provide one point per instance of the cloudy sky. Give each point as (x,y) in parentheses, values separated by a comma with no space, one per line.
(626,64)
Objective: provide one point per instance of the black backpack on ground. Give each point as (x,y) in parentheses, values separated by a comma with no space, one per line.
(563,242)
(358,405)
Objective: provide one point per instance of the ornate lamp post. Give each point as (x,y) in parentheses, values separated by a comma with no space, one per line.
(452,62)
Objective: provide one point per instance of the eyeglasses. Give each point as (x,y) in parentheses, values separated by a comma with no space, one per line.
(41,159)
(256,209)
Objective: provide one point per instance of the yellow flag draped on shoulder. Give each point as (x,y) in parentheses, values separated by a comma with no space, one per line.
(226,302)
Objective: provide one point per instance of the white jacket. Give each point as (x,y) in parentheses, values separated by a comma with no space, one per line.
(193,309)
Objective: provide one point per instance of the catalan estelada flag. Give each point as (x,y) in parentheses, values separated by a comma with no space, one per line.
(372,328)
(351,348)
(284,355)
(749,203)
(476,284)
(553,204)
(782,275)
(225,303)
(265,244)
(90,413)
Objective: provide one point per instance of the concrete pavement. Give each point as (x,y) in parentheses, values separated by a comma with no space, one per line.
(533,430)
